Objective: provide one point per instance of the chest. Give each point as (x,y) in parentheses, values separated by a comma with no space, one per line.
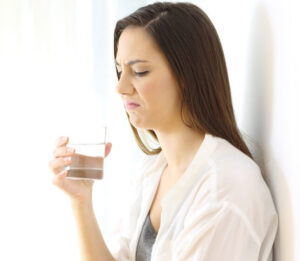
(164,186)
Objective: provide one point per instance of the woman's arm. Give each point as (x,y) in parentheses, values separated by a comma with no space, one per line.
(92,245)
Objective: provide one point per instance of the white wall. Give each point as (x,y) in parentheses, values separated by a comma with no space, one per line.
(272,71)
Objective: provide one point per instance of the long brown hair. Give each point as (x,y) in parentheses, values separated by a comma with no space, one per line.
(190,42)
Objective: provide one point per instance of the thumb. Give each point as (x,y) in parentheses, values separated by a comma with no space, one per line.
(107,149)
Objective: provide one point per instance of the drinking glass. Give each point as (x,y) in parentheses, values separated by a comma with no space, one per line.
(88,160)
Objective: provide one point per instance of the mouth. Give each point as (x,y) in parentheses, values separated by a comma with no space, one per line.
(131,106)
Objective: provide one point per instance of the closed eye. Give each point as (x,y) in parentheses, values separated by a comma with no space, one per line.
(138,74)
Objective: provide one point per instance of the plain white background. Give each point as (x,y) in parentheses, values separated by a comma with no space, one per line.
(57,78)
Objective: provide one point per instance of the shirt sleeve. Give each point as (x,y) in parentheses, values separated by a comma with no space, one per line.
(123,228)
(216,233)
(120,251)
(118,238)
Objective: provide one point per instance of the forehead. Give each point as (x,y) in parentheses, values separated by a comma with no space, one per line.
(136,43)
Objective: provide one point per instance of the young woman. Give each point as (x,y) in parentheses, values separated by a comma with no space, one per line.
(200,195)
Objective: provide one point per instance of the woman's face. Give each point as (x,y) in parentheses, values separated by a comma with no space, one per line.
(148,82)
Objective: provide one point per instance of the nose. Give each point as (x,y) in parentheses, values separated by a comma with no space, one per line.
(124,85)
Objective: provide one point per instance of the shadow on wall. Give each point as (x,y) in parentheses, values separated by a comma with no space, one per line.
(258,117)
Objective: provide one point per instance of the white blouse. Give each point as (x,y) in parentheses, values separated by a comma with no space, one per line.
(219,210)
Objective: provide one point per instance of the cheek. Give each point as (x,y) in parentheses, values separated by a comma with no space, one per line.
(149,92)
(159,94)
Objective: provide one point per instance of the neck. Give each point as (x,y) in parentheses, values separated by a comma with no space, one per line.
(179,147)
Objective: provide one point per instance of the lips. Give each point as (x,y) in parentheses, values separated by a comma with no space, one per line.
(131,105)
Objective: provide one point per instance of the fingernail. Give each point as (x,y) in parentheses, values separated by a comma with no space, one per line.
(67,159)
(63,139)
(65,172)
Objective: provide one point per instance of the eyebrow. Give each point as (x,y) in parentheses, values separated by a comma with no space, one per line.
(133,62)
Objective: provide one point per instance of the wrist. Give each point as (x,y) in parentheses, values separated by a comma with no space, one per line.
(81,202)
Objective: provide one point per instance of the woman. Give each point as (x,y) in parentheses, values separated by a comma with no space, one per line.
(200,195)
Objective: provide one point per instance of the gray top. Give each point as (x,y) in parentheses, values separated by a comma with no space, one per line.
(146,241)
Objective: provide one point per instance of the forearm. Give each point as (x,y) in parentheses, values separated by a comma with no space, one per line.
(92,245)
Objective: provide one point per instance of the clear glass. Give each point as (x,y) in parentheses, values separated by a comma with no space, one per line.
(88,160)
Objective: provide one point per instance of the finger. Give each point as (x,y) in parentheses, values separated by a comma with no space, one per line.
(63,151)
(62,141)
(108,147)
(56,165)
(58,180)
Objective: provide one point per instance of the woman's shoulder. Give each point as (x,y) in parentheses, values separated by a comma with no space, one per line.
(228,155)
(234,168)
(234,181)
(237,180)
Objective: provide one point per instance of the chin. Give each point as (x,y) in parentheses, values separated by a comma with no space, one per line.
(139,125)
(139,122)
